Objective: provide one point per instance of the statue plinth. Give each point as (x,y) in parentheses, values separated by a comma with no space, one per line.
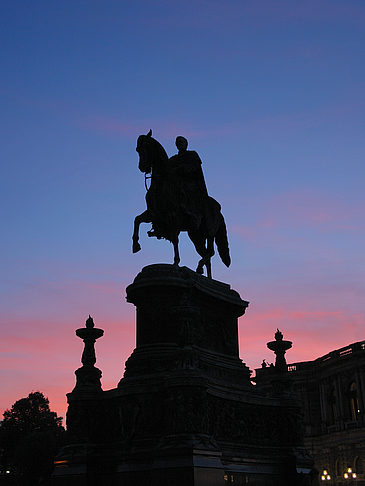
(186,321)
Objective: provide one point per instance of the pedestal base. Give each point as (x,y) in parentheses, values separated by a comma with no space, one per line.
(185,412)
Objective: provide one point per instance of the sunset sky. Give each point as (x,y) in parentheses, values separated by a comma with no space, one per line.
(269,93)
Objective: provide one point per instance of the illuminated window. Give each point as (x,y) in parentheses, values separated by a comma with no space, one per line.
(229,478)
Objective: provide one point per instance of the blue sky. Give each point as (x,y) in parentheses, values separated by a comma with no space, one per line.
(271,96)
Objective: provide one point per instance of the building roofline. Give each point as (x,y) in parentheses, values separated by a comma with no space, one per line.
(330,357)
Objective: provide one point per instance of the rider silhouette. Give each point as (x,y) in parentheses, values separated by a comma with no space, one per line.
(187,174)
(177,200)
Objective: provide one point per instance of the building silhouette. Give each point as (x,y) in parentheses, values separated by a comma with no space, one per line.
(331,390)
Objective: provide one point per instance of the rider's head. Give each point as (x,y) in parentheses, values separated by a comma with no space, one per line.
(181,143)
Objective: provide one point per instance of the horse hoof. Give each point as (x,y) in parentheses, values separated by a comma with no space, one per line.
(136,247)
(200,270)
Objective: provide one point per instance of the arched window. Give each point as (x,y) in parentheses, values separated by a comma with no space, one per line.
(358,467)
(353,401)
(338,467)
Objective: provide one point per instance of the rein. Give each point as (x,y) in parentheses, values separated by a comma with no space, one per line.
(146,177)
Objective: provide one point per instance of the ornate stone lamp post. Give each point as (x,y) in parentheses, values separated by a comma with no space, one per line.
(88,376)
(280,347)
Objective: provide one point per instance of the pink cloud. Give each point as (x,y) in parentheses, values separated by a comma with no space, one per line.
(42,352)
(309,207)
(46,361)
(314,333)
(39,349)
(109,126)
(45,358)
(304,210)
(116,127)
(170,128)
(282,124)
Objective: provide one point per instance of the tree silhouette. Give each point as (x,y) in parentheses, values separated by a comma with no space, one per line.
(30,436)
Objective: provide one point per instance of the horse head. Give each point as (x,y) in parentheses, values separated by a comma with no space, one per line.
(145,151)
(151,154)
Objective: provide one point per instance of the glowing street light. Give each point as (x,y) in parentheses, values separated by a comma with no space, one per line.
(349,474)
(325,475)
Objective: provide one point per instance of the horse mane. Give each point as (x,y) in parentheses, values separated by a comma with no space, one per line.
(160,151)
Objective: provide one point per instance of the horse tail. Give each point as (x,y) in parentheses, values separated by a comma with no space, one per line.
(221,240)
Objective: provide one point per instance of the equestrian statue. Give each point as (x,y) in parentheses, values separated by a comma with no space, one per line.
(177,200)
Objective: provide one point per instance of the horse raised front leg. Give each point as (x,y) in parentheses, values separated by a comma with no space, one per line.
(141,218)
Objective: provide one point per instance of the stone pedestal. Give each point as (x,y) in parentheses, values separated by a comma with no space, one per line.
(185,322)
(185,412)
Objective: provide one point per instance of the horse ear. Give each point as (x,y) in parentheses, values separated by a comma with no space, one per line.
(149,134)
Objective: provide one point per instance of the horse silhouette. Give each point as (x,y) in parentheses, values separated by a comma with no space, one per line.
(168,218)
